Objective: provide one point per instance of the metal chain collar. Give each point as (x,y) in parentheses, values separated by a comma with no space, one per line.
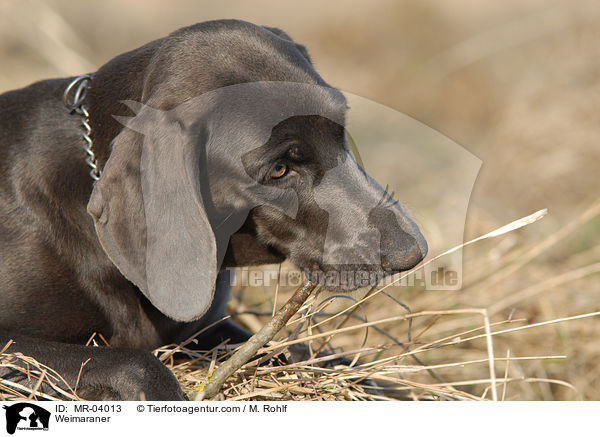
(75,104)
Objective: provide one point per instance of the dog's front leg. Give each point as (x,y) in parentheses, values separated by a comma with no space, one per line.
(94,373)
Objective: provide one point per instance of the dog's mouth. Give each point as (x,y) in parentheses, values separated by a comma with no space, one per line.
(347,277)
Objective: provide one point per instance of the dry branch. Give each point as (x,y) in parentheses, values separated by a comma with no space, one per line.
(258,340)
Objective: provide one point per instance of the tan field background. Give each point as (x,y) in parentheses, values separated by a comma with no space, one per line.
(516,83)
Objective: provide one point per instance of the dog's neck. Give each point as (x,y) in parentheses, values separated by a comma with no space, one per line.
(120,79)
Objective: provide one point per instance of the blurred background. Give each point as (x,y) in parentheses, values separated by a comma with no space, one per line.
(515,83)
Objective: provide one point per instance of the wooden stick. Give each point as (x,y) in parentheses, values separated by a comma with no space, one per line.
(258,340)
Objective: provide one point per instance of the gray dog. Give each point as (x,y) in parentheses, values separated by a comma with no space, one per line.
(218,146)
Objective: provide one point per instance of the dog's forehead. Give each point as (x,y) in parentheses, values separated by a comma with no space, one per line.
(231,122)
(308,135)
(251,110)
(255,109)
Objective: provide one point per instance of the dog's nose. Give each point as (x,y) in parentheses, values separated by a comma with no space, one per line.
(401,246)
(403,260)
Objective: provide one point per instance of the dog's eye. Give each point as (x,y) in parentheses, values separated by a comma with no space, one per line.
(279,171)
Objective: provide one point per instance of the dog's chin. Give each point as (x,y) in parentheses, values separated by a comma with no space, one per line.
(344,279)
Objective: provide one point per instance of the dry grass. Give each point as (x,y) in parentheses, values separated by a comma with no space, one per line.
(31,376)
(448,354)
(394,370)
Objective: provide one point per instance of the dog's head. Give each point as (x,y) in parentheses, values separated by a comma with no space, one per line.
(348,231)
(247,172)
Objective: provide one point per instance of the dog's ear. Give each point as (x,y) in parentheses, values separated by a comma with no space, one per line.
(150,219)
